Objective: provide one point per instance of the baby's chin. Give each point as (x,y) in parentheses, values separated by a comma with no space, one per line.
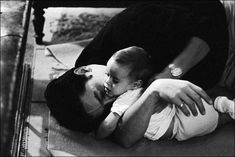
(108,92)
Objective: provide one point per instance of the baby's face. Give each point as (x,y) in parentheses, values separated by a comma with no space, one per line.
(117,80)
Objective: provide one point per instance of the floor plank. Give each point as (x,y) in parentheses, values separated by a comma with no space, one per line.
(37,130)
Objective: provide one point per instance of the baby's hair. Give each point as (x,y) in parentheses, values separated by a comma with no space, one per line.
(137,59)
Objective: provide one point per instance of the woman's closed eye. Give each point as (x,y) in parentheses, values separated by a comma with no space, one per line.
(107,73)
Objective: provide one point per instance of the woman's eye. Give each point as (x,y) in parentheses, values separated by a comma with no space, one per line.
(106,73)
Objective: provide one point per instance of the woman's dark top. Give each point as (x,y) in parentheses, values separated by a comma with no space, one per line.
(164,29)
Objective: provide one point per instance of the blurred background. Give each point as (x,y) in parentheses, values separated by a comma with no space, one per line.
(73,24)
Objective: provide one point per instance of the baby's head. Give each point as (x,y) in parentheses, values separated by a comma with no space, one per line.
(127,69)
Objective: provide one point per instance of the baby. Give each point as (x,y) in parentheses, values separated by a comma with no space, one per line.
(127,72)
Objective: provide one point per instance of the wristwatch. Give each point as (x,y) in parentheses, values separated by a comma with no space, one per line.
(176,72)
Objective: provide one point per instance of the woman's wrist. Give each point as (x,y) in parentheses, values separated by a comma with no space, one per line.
(175,71)
(152,90)
(171,71)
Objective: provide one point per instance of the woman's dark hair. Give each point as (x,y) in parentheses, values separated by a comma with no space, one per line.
(137,59)
(63,99)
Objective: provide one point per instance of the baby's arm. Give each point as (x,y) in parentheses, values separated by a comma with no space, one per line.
(108,125)
(121,104)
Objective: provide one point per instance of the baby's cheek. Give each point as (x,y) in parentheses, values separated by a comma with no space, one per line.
(116,91)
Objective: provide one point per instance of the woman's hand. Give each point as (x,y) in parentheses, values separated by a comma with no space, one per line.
(182,93)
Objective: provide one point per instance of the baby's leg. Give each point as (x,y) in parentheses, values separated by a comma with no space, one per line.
(225,108)
(225,105)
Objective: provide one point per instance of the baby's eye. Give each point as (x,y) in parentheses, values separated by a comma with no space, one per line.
(115,81)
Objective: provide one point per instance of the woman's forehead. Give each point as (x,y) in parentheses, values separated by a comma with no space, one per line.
(97,72)
(95,82)
(96,67)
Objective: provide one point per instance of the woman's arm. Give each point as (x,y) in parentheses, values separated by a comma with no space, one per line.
(107,126)
(193,53)
(183,94)
(135,120)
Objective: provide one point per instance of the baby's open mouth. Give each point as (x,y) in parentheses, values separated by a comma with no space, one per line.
(107,91)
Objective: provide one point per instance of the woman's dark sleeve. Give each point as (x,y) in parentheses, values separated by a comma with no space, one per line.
(99,50)
(210,23)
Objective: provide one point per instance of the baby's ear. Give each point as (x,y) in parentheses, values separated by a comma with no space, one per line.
(137,84)
(83,71)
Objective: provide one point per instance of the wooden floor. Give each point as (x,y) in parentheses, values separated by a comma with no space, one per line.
(36,131)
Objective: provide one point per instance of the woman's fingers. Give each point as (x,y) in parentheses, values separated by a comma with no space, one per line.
(182,92)
(201,93)
(180,104)
(190,103)
(197,96)
(191,95)
(197,100)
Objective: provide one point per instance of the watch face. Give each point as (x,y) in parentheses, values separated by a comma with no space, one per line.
(176,71)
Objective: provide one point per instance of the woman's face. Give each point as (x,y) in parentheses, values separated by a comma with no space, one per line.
(94,98)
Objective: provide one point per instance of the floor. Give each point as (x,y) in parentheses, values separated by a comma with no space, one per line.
(36,131)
